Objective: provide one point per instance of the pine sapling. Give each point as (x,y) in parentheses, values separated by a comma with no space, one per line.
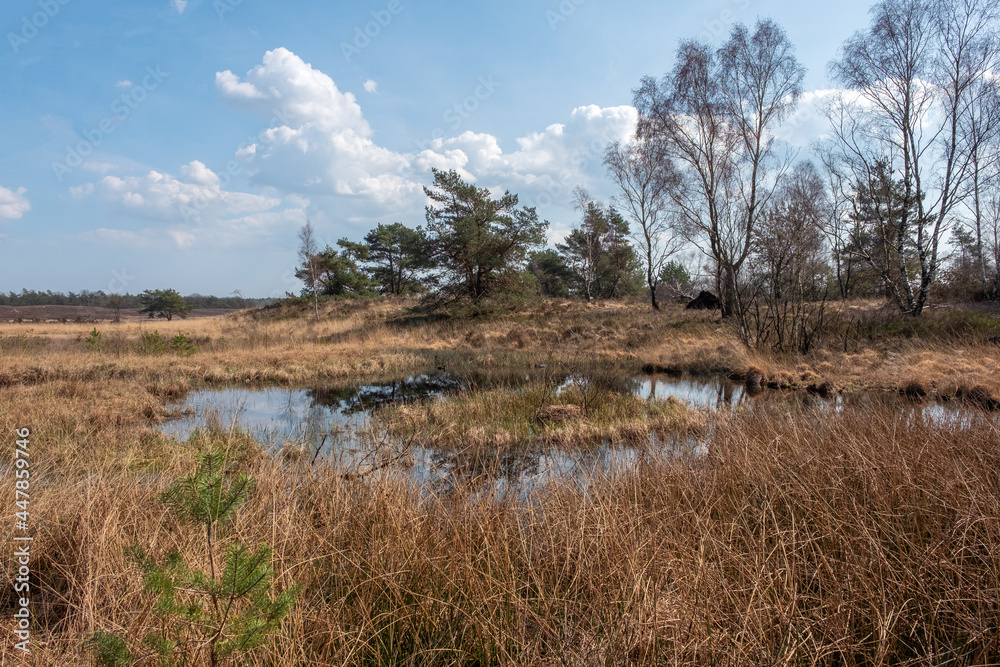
(218,614)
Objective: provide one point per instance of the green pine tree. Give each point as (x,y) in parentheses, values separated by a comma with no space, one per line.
(218,614)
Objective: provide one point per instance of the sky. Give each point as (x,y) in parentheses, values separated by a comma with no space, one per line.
(182,144)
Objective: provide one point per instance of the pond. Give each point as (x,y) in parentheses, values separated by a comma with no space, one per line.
(337,423)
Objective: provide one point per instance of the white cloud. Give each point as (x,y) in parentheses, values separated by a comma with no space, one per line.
(323,143)
(182,238)
(126,237)
(809,120)
(124,83)
(320,143)
(13,203)
(193,206)
(100,167)
(196,196)
(230,86)
(371,86)
(179,5)
(81,191)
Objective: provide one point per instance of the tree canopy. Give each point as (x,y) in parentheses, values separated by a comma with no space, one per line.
(164,303)
(478,244)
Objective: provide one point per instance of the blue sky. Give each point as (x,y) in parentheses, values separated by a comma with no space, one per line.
(182,144)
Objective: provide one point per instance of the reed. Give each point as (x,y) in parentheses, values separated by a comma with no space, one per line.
(794,537)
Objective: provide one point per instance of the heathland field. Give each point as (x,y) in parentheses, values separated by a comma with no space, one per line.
(778,531)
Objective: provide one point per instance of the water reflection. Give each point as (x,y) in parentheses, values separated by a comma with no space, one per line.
(336,422)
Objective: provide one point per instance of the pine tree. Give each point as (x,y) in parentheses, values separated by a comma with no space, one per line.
(221,613)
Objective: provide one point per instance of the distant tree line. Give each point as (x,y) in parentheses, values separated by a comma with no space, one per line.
(100,299)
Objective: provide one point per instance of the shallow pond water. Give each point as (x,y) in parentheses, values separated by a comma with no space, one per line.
(337,422)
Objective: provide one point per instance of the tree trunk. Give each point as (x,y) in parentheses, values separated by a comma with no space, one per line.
(728,295)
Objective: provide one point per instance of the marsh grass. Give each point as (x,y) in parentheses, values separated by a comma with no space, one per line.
(821,538)
(581,412)
(833,540)
(864,346)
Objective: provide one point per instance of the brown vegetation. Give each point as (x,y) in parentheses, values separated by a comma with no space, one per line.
(798,537)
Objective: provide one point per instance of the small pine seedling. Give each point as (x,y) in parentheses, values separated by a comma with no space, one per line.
(216,614)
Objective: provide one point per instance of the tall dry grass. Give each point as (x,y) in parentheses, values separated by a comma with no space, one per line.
(863,347)
(798,539)
(827,539)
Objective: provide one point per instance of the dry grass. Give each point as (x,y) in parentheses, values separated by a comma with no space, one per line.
(864,348)
(584,414)
(800,538)
(835,541)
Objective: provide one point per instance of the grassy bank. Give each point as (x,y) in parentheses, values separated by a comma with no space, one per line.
(862,346)
(798,538)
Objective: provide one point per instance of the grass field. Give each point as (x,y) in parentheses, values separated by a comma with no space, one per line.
(798,538)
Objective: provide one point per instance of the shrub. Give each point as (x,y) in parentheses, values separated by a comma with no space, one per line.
(219,614)
(95,340)
(152,343)
(182,346)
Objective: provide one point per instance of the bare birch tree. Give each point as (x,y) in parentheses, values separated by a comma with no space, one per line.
(309,255)
(914,76)
(640,175)
(713,118)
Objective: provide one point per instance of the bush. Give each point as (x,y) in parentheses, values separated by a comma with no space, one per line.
(152,343)
(182,346)
(221,614)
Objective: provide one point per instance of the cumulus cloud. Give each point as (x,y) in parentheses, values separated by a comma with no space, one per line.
(809,120)
(320,143)
(371,86)
(197,195)
(192,206)
(179,5)
(13,203)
